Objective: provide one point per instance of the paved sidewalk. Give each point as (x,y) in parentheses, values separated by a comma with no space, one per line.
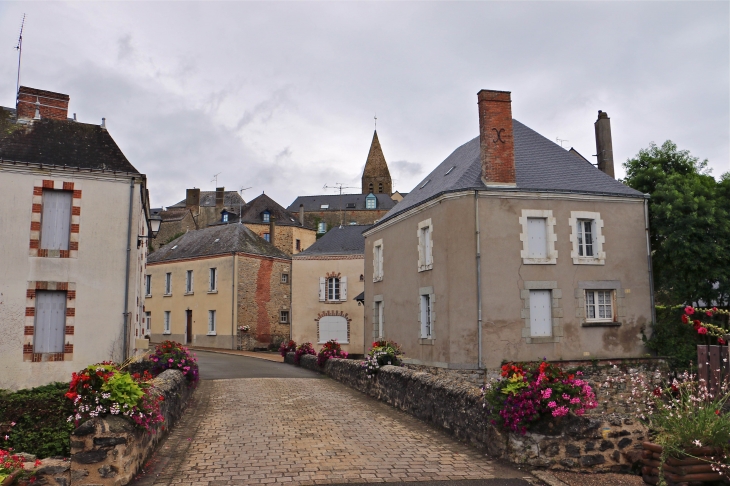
(276,357)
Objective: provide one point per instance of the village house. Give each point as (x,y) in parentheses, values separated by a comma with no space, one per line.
(375,200)
(285,230)
(203,286)
(326,278)
(75,226)
(512,248)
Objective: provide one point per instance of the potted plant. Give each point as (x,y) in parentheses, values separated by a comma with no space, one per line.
(382,353)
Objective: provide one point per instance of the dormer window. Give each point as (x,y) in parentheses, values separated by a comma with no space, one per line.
(225,217)
(266,216)
(371,202)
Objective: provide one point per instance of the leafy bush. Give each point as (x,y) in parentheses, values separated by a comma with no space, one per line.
(331,349)
(304,348)
(528,392)
(287,347)
(172,355)
(383,353)
(34,420)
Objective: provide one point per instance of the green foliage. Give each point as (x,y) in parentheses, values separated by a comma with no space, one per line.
(172,238)
(40,421)
(123,389)
(672,338)
(690,224)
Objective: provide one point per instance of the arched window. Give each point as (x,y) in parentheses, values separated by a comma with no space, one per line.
(370,187)
(380,187)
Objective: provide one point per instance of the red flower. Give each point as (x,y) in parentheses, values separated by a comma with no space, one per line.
(717,412)
(721,341)
(714,309)
(689,310)
(685,319)
(697,324)
(657,392)
(709,313)
(702,330)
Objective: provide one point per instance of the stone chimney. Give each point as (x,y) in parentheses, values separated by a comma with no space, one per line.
(604,145)
(50,105)
(496,140)
(192,200)
(272,229)
(301,214)
(219,199)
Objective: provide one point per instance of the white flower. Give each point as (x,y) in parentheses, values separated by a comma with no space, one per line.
(697,443)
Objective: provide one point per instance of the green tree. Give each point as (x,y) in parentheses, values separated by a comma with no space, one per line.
(689,217)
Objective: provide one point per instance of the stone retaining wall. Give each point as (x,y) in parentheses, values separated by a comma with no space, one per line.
(605,443)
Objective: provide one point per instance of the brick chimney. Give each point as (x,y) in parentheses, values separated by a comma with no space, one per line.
(496,140)
(301,214)
(272,229)
(219,199)
(50,105)
(192,200)
(604,145)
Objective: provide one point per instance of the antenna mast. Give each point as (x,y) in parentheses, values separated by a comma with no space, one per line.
(340,186)
(240,204)
(19,48)
(215,178)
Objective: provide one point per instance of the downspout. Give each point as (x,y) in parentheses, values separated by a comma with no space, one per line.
(648,259)
(233,300)
(479,278)
(291,299)
(125,345)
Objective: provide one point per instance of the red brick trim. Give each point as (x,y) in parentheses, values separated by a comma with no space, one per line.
(29,327)
(35,225)
(37,191)
(68,348)
(29,331)
(69,330)
(70,312)
(47,184)
(77,194)
(336,314)
(74,228)
(70,295)
(29,311)
(37,214)
(333,274)
(68,186)
(75,210)
(27,349)
(73,245)
(37,208)
(30,294)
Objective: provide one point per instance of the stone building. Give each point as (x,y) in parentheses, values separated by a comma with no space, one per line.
(324,212)
(201,287)
(75,225)
(285,230)
(329,274)
(512,249)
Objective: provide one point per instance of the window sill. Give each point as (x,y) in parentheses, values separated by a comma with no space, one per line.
(427,341)
(539,261)
(167,295)
(542,339)
(425,268)
(600,324)
(189,293)
(334,301)
(212,334)
(588,261)
(213,291)
(166,332)
(287,323)
(338,342)
(147,296)
(378,279)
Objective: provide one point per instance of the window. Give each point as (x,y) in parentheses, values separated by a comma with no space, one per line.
(284,278)
(298,245)
(211,323)
(322,227)
(189,282)
(425,244)
(371,202)
(599,305)
(167,323)
(213,280)
(324,206)
(426,317)
(267,237)
(333,327)
(225,217)
(266,216)
(587,238)
(284,317)
(148,322)
(350,205)
(168,284)
(50,321)
(378,315)
(378,261)
(333,288)
(148,285)
(370,187)
(56,220)
(380,187)
(538,237)
(540,313)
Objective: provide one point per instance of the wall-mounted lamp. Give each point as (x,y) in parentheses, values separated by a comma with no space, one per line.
(154,225)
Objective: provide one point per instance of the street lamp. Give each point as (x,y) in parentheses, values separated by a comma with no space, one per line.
(154,225)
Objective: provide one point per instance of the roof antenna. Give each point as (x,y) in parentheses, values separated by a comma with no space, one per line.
(376,122)
(340,186)
(561,140)
(240,204)
(215,178)
(19,48)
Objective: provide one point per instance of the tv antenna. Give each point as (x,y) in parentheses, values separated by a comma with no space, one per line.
(19,48)
(376,121)
(561,140)
(240,204)
(340,186)
(215,178)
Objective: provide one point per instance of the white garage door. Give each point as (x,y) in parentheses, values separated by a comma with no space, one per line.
(333,327)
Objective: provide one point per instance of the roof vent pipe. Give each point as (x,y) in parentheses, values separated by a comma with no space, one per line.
(604,144)
(37,115)
(75,117)
(103,123)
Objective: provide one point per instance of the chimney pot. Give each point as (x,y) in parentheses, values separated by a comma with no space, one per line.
(496,140)
(604,144)
(192,200)
(219,198)
(103,123)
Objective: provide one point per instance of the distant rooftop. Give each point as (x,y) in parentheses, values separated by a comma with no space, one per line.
(335,202)
(340,240)
(207,199)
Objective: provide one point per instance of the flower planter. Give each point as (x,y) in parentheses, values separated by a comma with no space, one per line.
(696,469)
(10,479)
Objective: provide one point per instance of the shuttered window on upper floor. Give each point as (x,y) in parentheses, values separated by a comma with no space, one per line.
(56,219)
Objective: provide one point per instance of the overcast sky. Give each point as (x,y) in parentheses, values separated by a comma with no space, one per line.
(280,97)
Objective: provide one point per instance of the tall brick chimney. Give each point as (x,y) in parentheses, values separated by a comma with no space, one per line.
(496,140)
(604,144)
(272,229)
(219,199)
(192,200)
(51,105)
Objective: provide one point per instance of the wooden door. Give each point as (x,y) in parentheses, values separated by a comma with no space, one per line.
(189,328)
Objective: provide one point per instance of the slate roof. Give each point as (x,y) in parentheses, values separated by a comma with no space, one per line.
(253,210)
(540,166)
(207,199)
(231,237)
(61,143)
(340,240)
(314,203)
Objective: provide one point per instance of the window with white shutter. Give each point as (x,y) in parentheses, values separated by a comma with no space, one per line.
(378,261)
(189,282)
(167,323)
(211,322)
(426,317)
(343,289)
(212,280)
(56,219)
(537,238)
(379,317)
(322,288)
(333,327)
(540,313)
(425,245)
(50,321)
(168,283)
(148,321)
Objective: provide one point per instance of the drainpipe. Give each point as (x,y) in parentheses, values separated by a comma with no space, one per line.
(648,259)
(233,300)
(479,277)
(125,344)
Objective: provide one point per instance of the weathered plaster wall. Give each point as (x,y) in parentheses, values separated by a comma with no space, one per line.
(285,236)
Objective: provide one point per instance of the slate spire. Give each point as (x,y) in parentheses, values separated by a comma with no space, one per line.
(376,176)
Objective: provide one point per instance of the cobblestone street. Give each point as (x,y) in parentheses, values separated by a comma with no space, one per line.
(306,431)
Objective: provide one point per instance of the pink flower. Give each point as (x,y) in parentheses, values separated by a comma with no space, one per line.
(546,393)
(170,360)
(566,396)
(689,310)
(702,330)
(709,313)
(552,404)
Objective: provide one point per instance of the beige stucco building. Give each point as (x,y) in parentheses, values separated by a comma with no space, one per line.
(73,260)
(201,287)
(511,249)
(326,279)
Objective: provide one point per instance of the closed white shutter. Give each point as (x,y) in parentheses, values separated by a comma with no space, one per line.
(537,238)
(379,306)
(333,327)
(56,219)
(50,322)
(322,288)
(540,313)
(343,289)
(425,316)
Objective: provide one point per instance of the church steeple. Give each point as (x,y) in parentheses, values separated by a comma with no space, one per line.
(376,176)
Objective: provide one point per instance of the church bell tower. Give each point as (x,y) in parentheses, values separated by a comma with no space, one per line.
(376,176)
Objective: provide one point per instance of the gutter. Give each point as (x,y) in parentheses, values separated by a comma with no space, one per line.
(648,259)
(479,279)
(233,300)
(125,344)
